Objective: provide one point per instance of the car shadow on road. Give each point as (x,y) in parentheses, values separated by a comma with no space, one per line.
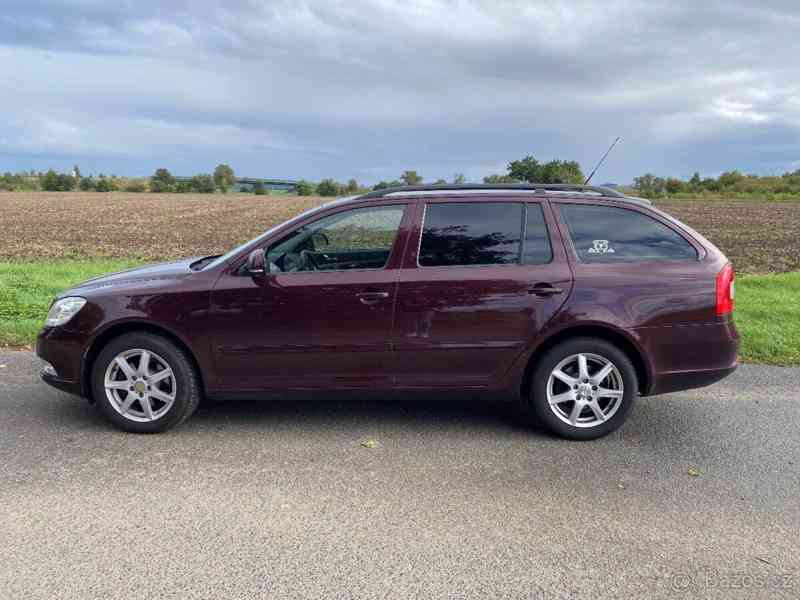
(387,409)
(468,412)
(651,425)
(655,424)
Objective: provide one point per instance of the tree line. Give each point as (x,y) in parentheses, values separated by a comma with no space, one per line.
(527,169)
(728,184)
(161,181)
(223,178)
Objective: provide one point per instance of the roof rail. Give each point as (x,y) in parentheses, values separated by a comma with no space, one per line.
(537,188)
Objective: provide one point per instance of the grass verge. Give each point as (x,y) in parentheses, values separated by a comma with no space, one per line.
(768,317)
(27,289)
(767,306)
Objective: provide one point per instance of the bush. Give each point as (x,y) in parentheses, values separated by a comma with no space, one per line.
(328,187)
(162,181)
(556,171)
(57,182)
(674,186)
(14,182)
(495,179)
(135,185)
(203,184)
(259,189)
(103,185)
(382,185)
(304,188)
(50,181)
(411,178)
(224,177)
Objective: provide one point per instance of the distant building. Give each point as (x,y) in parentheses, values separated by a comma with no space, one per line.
(247,184)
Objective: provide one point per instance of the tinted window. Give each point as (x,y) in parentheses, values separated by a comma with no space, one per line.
(361,238)
(471,233)
(608,234)
(537,240)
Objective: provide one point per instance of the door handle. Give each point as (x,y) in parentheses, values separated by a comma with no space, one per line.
(371,297)
(544,289)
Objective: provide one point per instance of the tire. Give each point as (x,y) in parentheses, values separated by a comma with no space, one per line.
(596,408)
(169,385)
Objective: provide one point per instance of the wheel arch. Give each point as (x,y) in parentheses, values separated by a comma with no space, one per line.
(116,330)
(610,334)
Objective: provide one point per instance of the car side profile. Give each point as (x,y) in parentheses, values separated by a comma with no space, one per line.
(572,299)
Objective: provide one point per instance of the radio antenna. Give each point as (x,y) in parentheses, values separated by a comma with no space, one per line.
(610,148)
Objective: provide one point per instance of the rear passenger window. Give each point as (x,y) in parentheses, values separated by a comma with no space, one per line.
(537,241)
(609,234)
(471,233)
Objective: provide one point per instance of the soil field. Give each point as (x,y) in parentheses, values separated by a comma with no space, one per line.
(61,225)
(759,237)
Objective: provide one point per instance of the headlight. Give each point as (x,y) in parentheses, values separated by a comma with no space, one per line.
(63,310)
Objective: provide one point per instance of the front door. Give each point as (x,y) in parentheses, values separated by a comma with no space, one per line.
(484,281)
(322,316)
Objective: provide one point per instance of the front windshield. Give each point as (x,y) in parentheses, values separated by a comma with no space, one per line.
(231,253)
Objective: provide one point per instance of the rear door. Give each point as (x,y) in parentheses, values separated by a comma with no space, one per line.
(479,280)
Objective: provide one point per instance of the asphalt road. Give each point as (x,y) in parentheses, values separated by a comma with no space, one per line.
(279,499)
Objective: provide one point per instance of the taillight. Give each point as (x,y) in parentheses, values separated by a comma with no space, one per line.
(725,290)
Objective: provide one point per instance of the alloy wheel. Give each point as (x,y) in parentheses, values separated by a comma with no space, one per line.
(140,385)
(585,390)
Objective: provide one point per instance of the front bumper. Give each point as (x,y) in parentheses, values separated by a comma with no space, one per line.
(62,351)
(50,377)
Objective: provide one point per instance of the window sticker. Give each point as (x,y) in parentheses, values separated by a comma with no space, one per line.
(601,247)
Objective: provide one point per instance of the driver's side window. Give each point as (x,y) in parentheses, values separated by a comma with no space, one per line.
(361,238)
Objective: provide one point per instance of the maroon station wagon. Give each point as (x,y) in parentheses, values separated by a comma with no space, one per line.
(572,299)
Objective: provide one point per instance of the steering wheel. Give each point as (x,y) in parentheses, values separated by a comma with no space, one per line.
(309,262)
(291,262)
(321,234)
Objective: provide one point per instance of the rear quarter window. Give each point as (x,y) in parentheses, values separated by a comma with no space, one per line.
(609,234)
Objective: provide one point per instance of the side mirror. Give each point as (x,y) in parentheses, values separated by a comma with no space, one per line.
(256,263)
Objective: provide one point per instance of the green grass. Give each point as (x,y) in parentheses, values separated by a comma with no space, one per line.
(767,306)
(27,289)
(768,317)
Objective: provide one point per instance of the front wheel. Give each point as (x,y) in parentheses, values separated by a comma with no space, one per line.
(144,383)
(583,389)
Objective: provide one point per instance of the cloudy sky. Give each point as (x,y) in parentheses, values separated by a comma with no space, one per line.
(367,89)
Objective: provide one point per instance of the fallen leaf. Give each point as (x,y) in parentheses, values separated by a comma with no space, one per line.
(693,472)
(370,444)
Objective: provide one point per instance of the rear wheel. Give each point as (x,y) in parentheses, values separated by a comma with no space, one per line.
(582,389)
(144,383)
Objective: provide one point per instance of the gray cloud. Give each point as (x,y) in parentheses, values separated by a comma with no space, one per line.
(367,89)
